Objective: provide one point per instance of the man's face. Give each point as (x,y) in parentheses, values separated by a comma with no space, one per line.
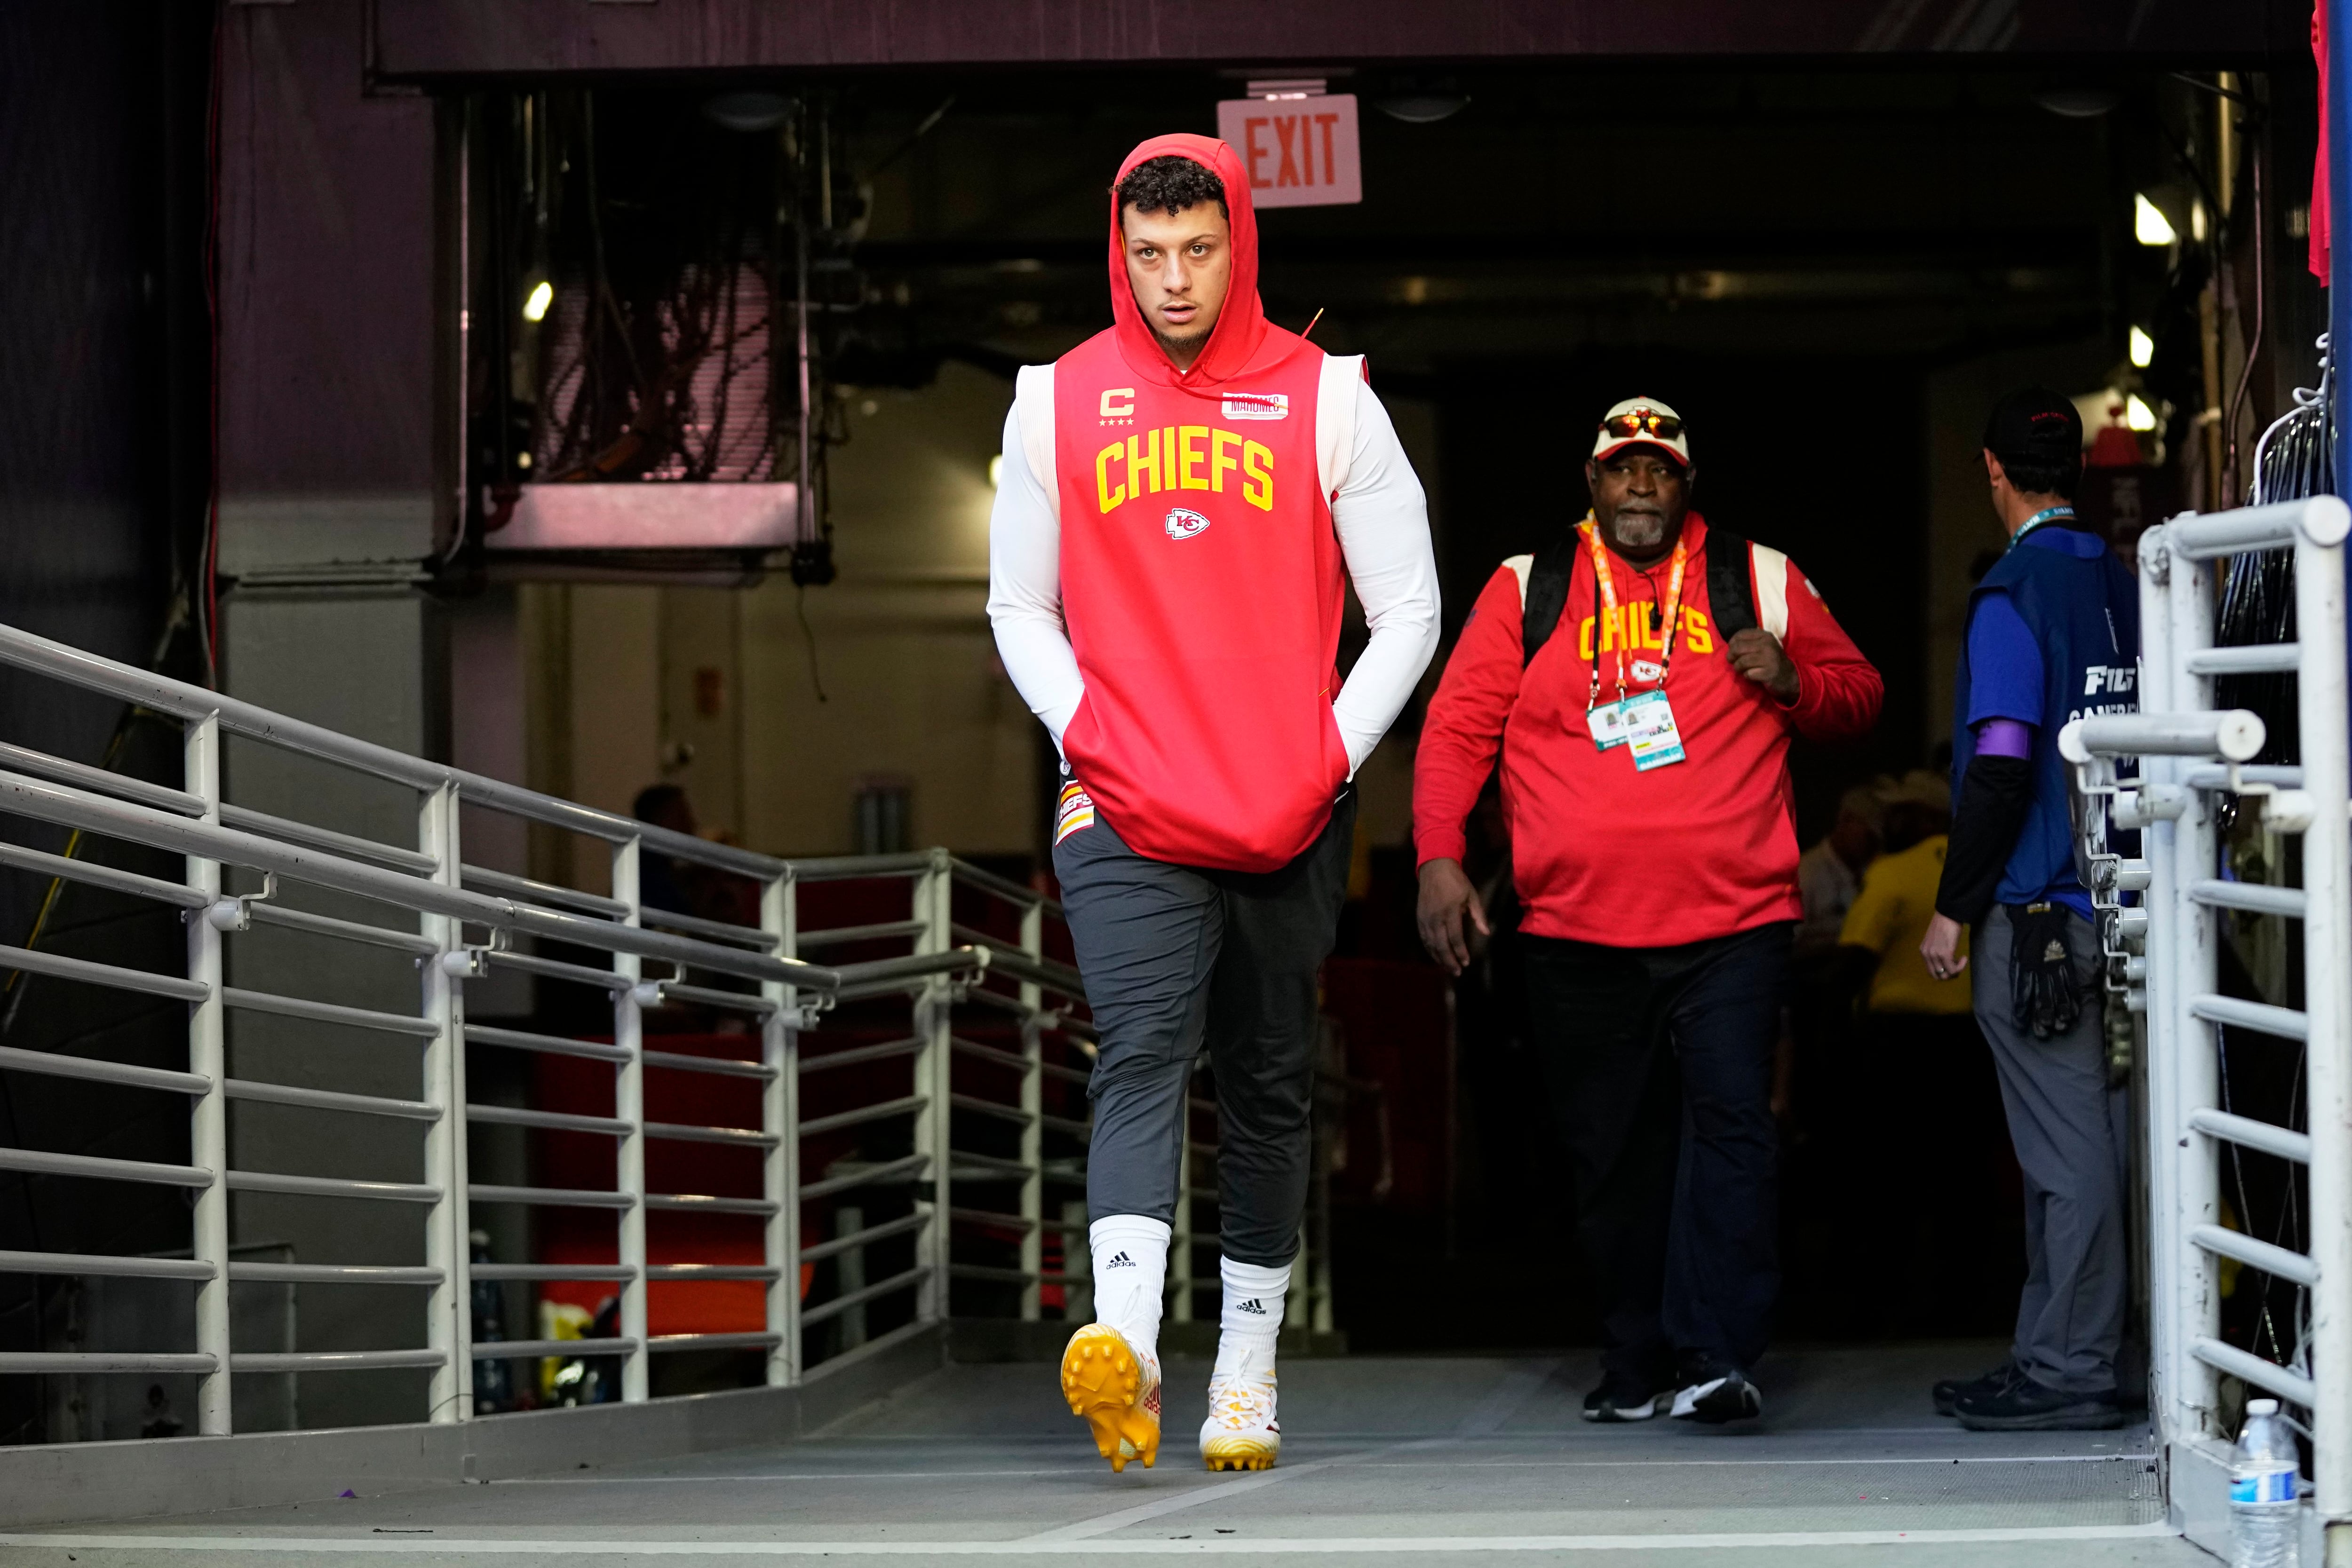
(1179,265)
(1639,497)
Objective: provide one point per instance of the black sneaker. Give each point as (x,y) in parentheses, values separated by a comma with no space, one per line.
(1952,1390)
(2024,1405)
(1621,1396)
(1714,1394)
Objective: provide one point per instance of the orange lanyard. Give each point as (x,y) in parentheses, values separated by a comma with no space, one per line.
(1605,591)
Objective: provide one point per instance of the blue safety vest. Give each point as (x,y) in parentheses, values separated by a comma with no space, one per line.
(2084,617)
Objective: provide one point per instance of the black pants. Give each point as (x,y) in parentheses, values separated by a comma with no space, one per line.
(1173,954)
(1659,1064)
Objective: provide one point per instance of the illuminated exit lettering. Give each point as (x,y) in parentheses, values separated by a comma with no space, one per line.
(1298,152)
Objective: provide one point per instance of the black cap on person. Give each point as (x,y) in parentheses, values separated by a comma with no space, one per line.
(2035,427)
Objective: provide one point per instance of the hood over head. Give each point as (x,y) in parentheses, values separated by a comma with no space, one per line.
(1242,341)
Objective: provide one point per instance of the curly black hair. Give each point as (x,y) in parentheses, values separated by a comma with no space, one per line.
(1171,183)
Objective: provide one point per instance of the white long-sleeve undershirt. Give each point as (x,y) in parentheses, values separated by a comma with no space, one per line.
(1379,512)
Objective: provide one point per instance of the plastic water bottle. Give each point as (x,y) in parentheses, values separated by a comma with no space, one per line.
(2265,1520)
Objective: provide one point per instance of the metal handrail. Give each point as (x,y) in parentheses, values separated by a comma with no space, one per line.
(142,824)
(163,695)
(2189,753)
(471,919)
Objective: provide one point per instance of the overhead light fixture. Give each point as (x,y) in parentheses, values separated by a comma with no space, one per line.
(2143,348)
(748,111)
(2078,102)
(1423,108)
(2137,414)
(542,295)
(2150,226)
(2196,221)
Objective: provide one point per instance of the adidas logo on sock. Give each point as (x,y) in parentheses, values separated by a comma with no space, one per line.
(1252,1306)
(1120,1260)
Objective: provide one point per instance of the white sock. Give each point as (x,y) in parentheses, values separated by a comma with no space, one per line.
(1131,1265)
(1252,1313)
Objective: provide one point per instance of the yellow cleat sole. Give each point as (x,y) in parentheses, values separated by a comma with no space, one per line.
(1239,1456)
(1103,1384)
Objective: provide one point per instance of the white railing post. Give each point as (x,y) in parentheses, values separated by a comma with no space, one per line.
(779,1117)
(2166,1122)
(629,1106)
(208,1114)
(1033,1130)
(2327,739)
(934,1069)
(448,1313)
(2193,967)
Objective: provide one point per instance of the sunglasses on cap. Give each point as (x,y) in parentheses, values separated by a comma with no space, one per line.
(1642,421)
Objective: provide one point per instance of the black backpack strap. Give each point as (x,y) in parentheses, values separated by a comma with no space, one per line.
(1546,596)
(1730,589)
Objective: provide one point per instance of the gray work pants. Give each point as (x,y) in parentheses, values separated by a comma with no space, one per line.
(1176,955)
(2062,1123)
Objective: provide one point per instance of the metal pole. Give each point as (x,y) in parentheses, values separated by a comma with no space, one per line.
(629,1105)
(2339,206)
(934,1067)
(1032,1131)
(208,1114)
(805,487)
(2193,969)
(2327,974)
(448,1313)
(779,1117)
(2167,1238)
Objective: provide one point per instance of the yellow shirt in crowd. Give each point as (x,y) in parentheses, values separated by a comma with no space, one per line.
(1889,917)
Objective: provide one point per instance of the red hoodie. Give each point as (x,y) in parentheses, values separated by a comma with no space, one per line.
(1700,847)
(1202,580)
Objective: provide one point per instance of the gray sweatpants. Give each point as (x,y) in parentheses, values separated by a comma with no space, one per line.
(2063,1121)
(1176,955)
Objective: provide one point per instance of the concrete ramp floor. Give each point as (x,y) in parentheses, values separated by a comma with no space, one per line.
(1386,1462)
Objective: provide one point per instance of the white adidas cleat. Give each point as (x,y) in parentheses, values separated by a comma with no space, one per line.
(1241,1433)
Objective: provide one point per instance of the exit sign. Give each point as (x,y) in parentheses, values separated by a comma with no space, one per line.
(1299,152)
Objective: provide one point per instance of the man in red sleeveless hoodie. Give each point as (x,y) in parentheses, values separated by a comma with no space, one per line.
(1642,677)
(1181,499)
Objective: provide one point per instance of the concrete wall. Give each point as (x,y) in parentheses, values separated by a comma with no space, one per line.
(771,707)
(369,663)
(912,691)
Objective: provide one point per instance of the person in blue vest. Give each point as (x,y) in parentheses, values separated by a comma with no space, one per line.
(2052,634)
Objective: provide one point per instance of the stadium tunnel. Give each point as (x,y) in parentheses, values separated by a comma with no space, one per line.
(600,396)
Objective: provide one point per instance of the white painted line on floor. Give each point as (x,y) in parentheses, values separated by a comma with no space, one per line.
(605,1546)
(1697,1464)
(792,1476)
(1418,1464)
(1103,1523)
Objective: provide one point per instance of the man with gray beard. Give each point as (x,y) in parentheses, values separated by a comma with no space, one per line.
(1642,677)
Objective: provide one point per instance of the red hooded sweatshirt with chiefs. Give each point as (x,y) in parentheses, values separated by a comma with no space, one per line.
(1601,853)
(1201,575)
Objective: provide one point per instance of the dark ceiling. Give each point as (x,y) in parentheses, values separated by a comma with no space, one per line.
(1913,212)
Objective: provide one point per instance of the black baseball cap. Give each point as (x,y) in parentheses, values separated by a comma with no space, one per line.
(2035,426)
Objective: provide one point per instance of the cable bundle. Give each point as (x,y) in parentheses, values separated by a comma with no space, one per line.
(2292,460)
